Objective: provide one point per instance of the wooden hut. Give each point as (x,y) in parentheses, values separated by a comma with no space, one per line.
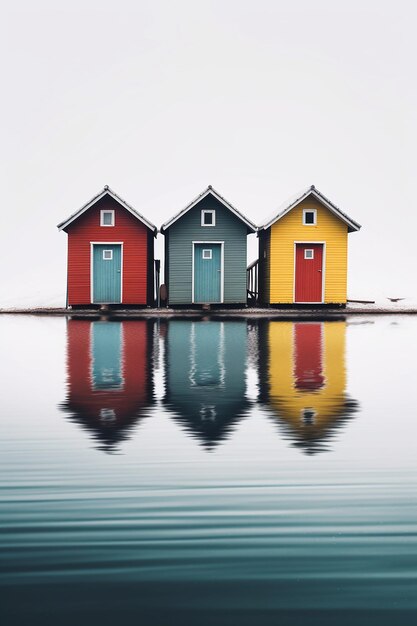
(303,374)
(303,252)
(109,377)
(206,252)
(110,253)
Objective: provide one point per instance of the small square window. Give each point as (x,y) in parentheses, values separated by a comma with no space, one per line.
(107,255)
(309,217)
(309,254)
(208,218)
(207,254)
(106,218)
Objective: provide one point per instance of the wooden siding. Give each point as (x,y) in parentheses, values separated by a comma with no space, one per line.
(136,272)
(179,250)
(290,228)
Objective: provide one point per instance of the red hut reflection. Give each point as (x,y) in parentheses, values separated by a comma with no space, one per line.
(109,376)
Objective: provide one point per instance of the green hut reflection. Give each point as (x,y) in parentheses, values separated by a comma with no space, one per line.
(206,376)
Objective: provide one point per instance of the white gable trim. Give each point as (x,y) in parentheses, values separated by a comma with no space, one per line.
(312,191)
(225,203)
(107,191)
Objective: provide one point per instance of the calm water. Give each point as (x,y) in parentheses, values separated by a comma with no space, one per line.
(208,472)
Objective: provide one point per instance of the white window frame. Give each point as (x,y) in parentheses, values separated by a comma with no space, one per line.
(210,254)
(314,211)
(309,258)
(213,213)
(107,258)
(102,212)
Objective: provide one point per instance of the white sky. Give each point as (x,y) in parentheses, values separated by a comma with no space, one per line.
(158,99)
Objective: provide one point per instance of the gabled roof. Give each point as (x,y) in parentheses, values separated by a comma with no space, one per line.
(215,194)
(107,192)
(315,193)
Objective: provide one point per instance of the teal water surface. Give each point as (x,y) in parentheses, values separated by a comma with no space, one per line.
(208,472)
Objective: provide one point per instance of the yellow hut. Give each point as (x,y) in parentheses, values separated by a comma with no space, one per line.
(306,380)
(303,252)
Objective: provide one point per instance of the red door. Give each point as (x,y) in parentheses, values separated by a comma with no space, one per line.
(309,272)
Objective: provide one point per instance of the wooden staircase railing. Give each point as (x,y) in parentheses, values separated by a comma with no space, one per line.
(252,285)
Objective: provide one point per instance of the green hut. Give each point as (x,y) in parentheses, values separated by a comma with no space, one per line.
(206,252)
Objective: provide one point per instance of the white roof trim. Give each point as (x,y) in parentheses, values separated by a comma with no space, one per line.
(312,191)
(218,197)
(99,196)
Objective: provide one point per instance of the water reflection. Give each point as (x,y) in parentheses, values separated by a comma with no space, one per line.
(214,374)
(205,377)
(255,531)
(303,380)
(109,378)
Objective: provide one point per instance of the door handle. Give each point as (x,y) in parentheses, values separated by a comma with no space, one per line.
(319,270)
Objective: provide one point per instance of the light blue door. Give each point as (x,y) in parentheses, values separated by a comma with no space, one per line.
(207,272)
(107,273)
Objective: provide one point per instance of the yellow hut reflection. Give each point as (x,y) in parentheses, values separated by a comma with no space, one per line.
(307,380)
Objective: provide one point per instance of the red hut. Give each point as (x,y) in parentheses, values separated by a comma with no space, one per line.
(110,253)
